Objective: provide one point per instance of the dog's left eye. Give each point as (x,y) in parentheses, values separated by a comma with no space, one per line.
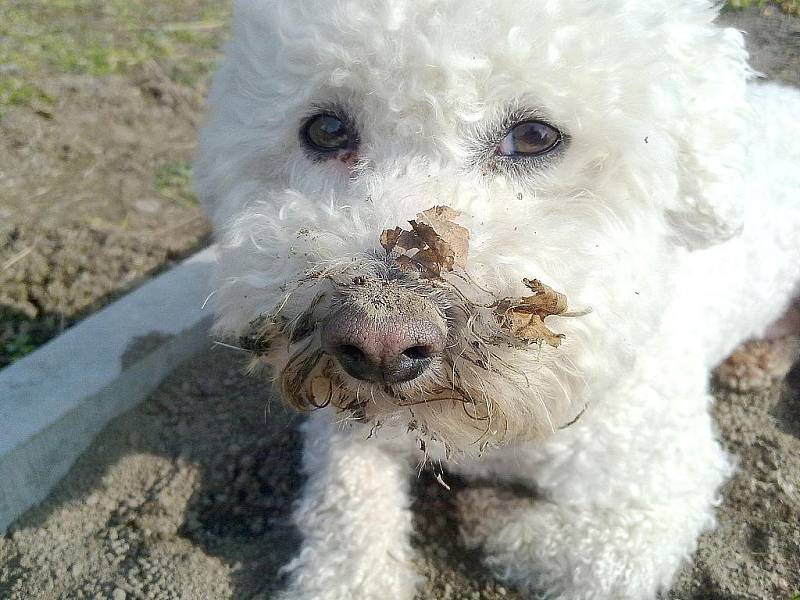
(327,133)
(529,138)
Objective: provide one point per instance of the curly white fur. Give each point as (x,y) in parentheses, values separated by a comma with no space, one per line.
(672,211)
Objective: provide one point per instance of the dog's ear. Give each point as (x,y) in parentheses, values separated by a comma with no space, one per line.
(710,133)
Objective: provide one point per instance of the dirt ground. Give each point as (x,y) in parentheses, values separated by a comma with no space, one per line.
(187,496)
(99,104)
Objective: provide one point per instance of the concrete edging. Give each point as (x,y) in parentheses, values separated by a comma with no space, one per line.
(55,401)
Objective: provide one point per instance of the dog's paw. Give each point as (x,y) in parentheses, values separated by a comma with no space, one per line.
(340,578)
(758,365)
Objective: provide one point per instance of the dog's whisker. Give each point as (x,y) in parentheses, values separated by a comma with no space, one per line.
(231,346)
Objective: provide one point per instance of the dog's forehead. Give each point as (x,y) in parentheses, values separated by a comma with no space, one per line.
(456,51)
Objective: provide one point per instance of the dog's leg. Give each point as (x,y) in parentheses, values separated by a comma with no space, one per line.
(354,519)
(624,497)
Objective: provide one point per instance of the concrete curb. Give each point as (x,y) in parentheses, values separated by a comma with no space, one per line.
(55,401)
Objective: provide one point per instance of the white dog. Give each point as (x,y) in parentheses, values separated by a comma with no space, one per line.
(611,149)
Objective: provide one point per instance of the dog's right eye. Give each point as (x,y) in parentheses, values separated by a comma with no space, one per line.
(327,133)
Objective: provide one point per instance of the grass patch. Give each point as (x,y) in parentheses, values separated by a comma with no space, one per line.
(790,6)
(20,335)
(16,347)
(104,37)
(15,91)
(174,182)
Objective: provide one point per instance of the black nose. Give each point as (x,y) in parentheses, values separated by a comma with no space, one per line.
(389,350)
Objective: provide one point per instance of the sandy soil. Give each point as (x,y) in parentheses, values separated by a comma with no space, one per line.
(773,39)
(95,191)
(187,495)
(82,218)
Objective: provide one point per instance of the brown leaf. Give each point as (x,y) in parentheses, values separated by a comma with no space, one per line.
(422,263)
(531,328)
(545,301)
(408,240)
(389,238)
(433,244)
(525,316)
(440,219)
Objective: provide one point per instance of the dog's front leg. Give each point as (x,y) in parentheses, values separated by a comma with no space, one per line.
(354,519)
(624,496)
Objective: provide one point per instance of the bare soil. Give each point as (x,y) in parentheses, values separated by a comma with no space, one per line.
(99,105)
(773,40)
(188,496)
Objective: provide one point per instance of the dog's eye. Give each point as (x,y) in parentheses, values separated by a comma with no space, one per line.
(529,138)
(327,133)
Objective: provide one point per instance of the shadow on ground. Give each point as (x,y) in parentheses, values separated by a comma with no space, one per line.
(188,496)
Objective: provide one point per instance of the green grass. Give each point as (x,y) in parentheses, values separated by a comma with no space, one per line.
(789,6)
(104,37)
(18,346)
(16,92)
(174,182)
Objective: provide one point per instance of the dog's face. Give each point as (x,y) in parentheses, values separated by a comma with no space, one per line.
(571,137)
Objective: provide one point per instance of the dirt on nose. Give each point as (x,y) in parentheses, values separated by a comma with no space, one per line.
(386,308)
(382,299)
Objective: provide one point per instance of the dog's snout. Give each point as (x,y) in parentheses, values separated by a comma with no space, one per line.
(389,350)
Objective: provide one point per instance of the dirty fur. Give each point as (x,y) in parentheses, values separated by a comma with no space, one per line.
(459,391)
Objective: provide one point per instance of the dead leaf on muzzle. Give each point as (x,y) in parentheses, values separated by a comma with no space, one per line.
(436,244)
(433,244)
(525,316)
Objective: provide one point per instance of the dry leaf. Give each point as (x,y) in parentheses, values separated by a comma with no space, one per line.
(531,328)
(525,316)
(389,238)
(544,302)
(441,220)
(433,244)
